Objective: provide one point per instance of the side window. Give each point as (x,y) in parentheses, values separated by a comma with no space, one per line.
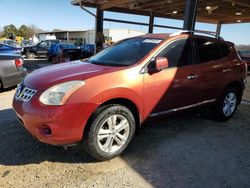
(208,50)
(224,50)
(179,53)
(44,44)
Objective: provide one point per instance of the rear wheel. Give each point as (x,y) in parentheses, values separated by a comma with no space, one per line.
(227,106)
(1,86)
(110,132)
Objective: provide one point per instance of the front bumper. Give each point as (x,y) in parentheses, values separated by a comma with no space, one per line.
(55,125)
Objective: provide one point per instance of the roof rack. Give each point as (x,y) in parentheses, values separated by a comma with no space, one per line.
(195,31)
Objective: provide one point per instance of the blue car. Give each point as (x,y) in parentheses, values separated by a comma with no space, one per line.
(4,48)
(87,50)
(57,49)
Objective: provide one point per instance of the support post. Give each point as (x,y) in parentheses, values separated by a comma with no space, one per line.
(67,37)
(99,37)
(151,24)
(190,15)
(218,29)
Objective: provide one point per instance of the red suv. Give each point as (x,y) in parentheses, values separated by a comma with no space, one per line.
(103,100)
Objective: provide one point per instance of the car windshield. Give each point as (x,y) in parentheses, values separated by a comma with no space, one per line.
(125,53)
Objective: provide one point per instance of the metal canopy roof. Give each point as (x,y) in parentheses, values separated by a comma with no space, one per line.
(209,11)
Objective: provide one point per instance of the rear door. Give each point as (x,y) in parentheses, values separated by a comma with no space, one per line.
(184,85)
(212,68)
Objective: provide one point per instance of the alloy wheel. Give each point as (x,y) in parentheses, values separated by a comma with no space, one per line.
(229,104)
(113,133)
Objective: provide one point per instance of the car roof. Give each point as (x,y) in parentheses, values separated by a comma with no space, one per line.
(165,36)
(66,44)
(4,44)
(10,55)
(158,36)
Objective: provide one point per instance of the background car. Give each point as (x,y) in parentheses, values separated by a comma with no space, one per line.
(10,42)
(57,49)
(40,49)
(245,55)
(4,48)
(87,50)
(27,43)
(11,70)
(62,52)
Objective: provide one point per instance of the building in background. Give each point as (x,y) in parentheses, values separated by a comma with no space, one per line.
(88,36)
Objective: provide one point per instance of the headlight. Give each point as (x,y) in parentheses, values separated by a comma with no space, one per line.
(58,94)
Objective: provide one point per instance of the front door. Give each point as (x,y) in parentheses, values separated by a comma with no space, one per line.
(175,86)
(42,48)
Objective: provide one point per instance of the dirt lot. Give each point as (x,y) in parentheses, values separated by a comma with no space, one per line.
(188,150)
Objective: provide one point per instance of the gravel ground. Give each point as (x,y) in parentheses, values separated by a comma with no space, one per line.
(188,150)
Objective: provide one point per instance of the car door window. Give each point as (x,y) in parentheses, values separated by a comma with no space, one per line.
(43,44)
(224,50)
(208,50)
(179,53)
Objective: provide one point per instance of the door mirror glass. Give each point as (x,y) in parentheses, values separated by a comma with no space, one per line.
(161,63)
(158,64)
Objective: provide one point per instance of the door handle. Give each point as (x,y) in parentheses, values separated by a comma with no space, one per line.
(226,70)
(192,76)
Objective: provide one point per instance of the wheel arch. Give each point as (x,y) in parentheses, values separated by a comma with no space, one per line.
(237,85)
(120,101)
(1,84)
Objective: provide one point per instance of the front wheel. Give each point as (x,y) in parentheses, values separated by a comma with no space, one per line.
(110,132)
(227,105)
(30,55)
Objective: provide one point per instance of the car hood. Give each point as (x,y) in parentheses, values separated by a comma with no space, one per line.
(28,47)
(44,78)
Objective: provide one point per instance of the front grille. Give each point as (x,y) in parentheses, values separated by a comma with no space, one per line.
(24,93)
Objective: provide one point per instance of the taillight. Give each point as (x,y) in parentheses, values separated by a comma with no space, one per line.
(19,62)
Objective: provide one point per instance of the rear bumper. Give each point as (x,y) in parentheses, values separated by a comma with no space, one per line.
(13,80)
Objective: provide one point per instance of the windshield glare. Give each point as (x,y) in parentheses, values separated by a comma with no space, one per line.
(125,53)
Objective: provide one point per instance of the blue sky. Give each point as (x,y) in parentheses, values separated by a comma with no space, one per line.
(60,14)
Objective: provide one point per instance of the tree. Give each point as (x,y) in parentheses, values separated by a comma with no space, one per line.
(9,30)
(1,32)
(22,31)
(56,30)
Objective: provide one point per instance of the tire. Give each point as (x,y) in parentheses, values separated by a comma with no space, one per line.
(30,55)
(1,86)
(105,139)
(49,58)
(227,105)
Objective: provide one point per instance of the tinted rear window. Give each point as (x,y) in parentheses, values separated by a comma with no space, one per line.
(224,50)
(208,50)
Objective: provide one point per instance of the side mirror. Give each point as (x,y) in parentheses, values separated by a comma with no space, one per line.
(161,63)
(158,64)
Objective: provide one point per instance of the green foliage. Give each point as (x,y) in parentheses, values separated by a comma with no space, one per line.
(24,31)
(9,30)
